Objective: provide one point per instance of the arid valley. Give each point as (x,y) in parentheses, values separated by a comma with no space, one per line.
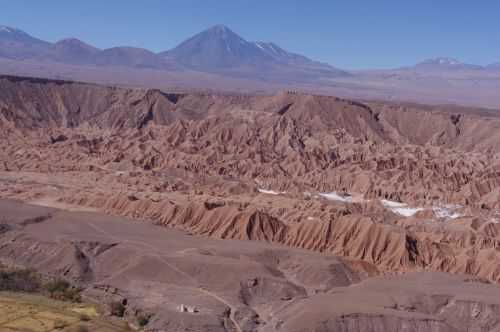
(224,212)
(249,166)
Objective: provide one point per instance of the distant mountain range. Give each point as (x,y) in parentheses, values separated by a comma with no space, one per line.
(220,48)
(219,59)
(18,45)
(215,50)
(446,63)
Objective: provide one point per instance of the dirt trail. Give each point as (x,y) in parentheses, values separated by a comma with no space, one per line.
(231,307)
(145,245)
(176,269)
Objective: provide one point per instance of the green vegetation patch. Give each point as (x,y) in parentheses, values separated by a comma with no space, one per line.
(36,313)
(30,304)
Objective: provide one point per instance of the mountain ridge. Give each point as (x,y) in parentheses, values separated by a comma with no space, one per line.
(269,47)
(17,44)
(248,66)
(217,49)
(446,63)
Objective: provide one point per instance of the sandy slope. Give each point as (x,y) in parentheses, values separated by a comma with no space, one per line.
(235,285)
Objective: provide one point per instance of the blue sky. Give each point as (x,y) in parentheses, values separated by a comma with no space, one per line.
(349,34)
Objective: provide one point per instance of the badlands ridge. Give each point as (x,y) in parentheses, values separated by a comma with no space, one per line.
(397,205)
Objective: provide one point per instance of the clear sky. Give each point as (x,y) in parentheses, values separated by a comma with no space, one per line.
(350,34)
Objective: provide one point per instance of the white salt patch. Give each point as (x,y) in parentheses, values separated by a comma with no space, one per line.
(270,192)
(446,212)
(392,204)
(400,208)
(406,212)
(333,196)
